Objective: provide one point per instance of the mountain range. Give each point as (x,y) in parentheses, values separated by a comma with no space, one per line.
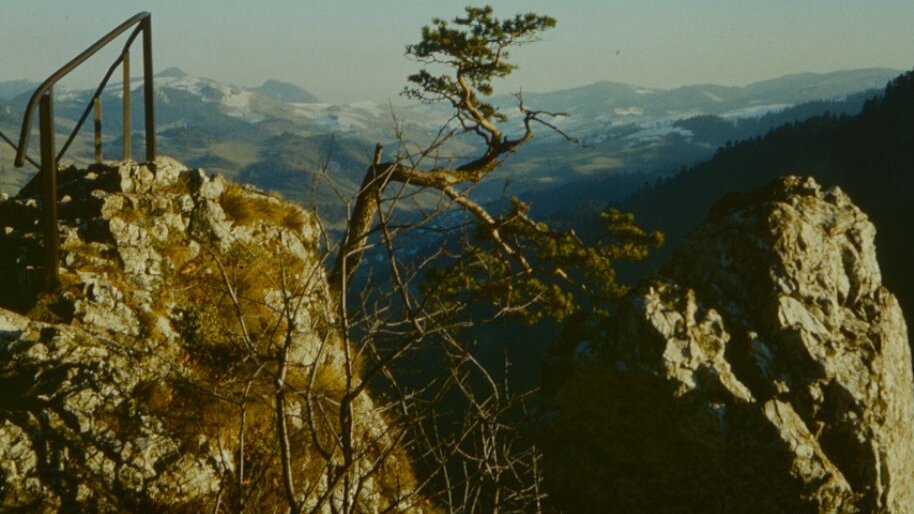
(277,135)
(868,155)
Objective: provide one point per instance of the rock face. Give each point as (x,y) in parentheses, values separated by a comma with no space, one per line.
(766,370)
(149,383)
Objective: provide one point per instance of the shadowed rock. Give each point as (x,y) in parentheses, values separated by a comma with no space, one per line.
(766,370)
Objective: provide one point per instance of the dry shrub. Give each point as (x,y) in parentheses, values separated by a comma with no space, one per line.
(220,380)
(245,207)
(217,378)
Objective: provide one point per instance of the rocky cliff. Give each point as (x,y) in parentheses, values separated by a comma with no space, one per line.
(190,308)
(766,370)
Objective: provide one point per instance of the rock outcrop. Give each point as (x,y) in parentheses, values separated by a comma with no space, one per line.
(149,382)
(766,370)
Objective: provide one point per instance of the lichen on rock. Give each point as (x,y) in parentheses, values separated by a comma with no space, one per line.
(148,382)
(765,370)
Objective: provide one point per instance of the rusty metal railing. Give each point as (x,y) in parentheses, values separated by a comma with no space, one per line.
(43,99)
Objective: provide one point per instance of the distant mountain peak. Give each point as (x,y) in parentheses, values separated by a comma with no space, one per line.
(173,71)
(275,83)
(285,91)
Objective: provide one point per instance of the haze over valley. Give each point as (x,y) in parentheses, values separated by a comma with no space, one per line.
(278,135)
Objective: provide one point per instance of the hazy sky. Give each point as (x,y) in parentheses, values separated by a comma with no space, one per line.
(352,49)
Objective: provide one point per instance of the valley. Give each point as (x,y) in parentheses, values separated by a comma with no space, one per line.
(280,137)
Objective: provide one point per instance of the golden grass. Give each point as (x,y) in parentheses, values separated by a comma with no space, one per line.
(202,402)
(206,401)
(246,207)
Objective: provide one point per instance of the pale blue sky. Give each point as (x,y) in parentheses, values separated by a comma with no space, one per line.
(351,49)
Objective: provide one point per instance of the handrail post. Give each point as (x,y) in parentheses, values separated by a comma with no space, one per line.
(49,190)
(149,91)
(140,22)
(125,63)
(97,105)
(42,99)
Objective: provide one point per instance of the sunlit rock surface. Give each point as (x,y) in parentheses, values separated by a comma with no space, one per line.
(766,370)
(126,392)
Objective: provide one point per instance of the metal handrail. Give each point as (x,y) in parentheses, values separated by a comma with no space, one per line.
(145,21)
(43,100)
(98,91)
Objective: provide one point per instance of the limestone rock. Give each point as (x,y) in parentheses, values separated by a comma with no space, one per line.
(766,370)
(126,391)
(70,421)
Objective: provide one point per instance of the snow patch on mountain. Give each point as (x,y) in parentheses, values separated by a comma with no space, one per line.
(755,111)
(628,111)
(658,130)
(369,107)
(713,97)
(338,118)
(237,103)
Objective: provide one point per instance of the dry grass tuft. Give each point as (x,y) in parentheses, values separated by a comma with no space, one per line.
(246,207)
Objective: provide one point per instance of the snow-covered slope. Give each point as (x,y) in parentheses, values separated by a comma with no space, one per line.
(626,127)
